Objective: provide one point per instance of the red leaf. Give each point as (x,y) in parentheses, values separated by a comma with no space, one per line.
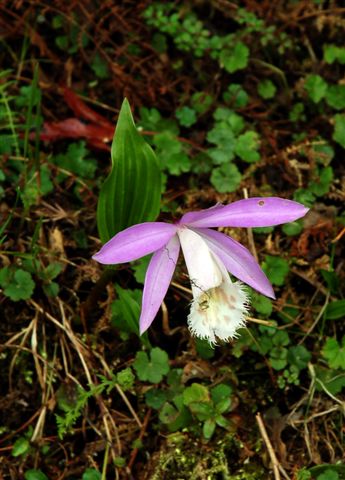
(95,135)
(81,110)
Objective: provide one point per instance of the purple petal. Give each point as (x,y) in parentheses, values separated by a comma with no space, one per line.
(157,280)
(237,260)
(250,212)
(135,242)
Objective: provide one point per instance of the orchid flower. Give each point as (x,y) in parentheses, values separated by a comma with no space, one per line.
(219,305)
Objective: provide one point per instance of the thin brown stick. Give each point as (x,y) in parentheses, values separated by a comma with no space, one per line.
(141,436)
(268,443)
(260,321)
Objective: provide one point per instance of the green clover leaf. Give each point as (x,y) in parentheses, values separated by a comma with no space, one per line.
(186,116)
(266,89)
(235,58)
(276,269)
(316,87)
(152,368)
(17,284)
(247,145)
(226,178)
(334,353)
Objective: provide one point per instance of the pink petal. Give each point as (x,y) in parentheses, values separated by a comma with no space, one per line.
(157,280)
(251,212)
(237,260)
(135,242)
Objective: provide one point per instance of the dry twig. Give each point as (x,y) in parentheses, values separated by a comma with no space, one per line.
(271,452)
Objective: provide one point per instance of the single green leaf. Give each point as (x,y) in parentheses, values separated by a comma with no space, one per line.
(265,345)
(201,411)
(334,353)
(171,153)
(177,163)
(91,474)
(222,421)
(51,289)
(316,87)
(168,413)
(155,398)
(35,475)
(140,267)
(236,96)
(131,193)
(319,469)
(100,66)
(328,475)
(209,428)
(333,282)
(339,129)
(333,53)
(333,380)
(266,89)
(292,228)
(126,312)
(335,310)
(154,368)
(21,447)
(204,349)
(278,358)
(28,95)
(175,418)
(186,116)
(335,96)
(223,405)
(201,102)
(221,392)
(304,196)
(262,304)
(196,393)
(246,147)
(226,178)
(227,118)
(280,338)
(234,58)
(299,356)
(276,269)
(296,113)
(61,41)
(303,474)
(52,270)
(151,119)
(263,230)
(17,284)
(221,135)
(322,184)
(160,360)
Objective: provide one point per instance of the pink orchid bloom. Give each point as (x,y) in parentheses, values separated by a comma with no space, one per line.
(219,305)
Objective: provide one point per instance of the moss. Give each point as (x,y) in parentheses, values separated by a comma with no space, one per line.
(183,458)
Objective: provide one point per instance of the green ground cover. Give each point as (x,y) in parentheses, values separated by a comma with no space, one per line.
(236,99)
